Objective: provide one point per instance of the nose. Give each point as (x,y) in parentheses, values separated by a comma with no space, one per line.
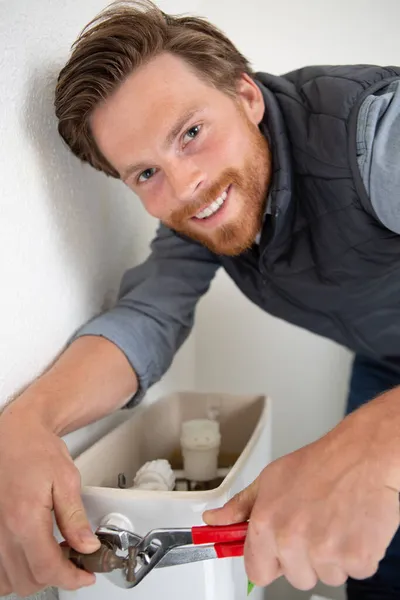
(185,179)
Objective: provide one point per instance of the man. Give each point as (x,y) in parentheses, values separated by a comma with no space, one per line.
(292,185)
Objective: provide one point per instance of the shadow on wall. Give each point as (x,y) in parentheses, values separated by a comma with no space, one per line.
(91,214)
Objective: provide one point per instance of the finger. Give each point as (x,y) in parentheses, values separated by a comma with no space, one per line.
(326,558)
(363,571)
(5,586)
(17,569)
(360,563)
(261,561)
(366,542)
(330,574)
(296,565)
(70,513)
(238,509)
(46,561)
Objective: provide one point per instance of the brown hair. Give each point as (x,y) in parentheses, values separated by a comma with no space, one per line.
(121,38)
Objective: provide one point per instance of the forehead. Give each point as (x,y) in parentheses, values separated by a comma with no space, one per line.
(147,103)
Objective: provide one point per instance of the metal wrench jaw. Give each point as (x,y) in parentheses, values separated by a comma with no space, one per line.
(126,541)
(154,547)
(119,538)
(142,555)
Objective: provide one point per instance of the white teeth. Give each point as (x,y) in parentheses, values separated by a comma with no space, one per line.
(213,207)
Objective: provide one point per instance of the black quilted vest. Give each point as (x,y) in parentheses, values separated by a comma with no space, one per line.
(324,261)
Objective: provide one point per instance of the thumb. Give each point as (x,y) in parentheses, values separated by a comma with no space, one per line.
(238,509)
(72,520)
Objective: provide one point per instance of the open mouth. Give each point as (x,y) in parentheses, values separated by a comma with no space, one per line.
(213,208)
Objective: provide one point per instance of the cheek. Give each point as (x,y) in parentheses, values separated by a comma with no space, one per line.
(155,201)
(228,147)
(152,205)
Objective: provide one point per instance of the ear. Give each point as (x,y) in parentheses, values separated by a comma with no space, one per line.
(250,98)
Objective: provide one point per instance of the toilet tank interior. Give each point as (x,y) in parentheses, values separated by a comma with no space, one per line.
(153,432)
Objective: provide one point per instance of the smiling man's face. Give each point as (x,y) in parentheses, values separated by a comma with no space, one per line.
(194,155)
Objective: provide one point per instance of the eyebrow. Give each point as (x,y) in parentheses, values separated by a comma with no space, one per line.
(189,114)
(172,134)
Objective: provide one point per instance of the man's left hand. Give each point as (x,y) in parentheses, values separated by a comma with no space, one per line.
(329,510)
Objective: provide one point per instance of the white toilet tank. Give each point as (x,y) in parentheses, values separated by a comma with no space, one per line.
(153,432)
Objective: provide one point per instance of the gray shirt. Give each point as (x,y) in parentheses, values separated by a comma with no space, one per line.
(378,149)
(158,298)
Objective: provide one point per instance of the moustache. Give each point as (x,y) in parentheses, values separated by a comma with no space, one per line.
(190,209)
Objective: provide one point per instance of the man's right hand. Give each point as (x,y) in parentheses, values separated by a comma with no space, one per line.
(37,475)
(90,380)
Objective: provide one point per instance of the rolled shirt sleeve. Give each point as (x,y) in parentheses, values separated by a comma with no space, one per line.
(378,153)
(156,306)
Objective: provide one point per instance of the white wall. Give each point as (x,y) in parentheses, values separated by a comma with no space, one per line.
(67,233)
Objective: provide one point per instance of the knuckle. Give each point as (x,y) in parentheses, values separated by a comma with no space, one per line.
(291,535)
(333,580)
(324,552)
(73,516)
(235,500)
(261,572)
(359,561)
(285,549)
(262,579)
(332,576)
(236,504)
(306,582)
(261,521)
(288,541)
(362,570)
(259,581)
(72,479)
(255,574)
(370,569)
(299,523)
(303,578)
(368,557)
(64,448)
(259,578)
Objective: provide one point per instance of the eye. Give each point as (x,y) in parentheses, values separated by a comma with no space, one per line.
(191,133)
(146,175)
